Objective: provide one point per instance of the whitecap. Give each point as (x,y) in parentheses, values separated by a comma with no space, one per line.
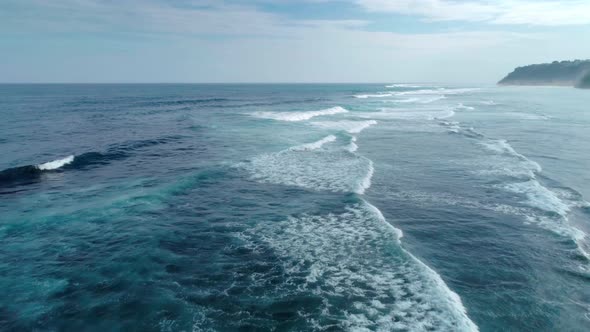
(352,147)
(315,145)
(336,169)
(444,91)
(502,146)
(539,196)
(463,107)
(408,114)
(417,100)
(355,254)
(379,95)
(299,116)
(55,164)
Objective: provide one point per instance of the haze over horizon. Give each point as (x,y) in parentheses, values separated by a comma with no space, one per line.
(263,41)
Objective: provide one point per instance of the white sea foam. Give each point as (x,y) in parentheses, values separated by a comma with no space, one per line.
(539,196)
(452,126)
(526,116)
(366,180)
(352,147)
(416,100)
(353,127)
(488,102)
(299,116)
(55,164)
(355,254)
(406,100)
(378,95)
(335,169)
(502,146)
(408,114)
(315,145)
(463,107)
(443,91)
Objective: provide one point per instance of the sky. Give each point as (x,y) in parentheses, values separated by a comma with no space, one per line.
(150,41)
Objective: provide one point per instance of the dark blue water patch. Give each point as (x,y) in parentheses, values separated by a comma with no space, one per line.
(127,266)
(20,175)
(29,174)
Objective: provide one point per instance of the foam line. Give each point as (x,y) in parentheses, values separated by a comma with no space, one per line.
(299,116)
(353,260)
(315,145)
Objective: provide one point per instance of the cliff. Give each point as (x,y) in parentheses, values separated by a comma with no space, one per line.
(562,73)
(584,82)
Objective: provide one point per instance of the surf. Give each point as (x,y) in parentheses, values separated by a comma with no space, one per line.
(299,116)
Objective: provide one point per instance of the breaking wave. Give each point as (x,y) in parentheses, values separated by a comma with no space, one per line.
(315,145)
(521,178)
(299,116)
(353,261)
(58,163)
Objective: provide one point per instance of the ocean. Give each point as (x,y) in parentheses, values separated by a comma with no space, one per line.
(294,207)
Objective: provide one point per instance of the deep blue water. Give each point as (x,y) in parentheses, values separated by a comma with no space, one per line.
(282,207)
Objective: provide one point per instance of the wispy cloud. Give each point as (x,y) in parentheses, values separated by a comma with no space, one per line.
(207,18)
(527,12)
(239,40)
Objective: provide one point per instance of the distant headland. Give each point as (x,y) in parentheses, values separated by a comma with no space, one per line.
(558,73)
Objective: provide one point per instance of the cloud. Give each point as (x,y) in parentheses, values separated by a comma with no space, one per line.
(217,41)
(527,12)
(196,18)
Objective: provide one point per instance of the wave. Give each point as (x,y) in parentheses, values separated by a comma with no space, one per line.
(365,182)
(443,91)
(315,145)
(502,146)
(523,181)
(379,95)
(352,127)
(299,116)
(353,261)
(55,164)
(452,126)
(352,147)
(336,170)
(408,114)
(540,196)
(557,208)
(463,107)
(527,116)
(353,254)
(31,173)
(416,100)
(278,102)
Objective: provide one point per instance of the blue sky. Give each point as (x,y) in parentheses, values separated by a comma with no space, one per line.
(285,40)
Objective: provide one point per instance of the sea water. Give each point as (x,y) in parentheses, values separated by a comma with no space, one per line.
(376,207)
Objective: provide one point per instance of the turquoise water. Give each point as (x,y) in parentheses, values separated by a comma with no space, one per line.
(294,207)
